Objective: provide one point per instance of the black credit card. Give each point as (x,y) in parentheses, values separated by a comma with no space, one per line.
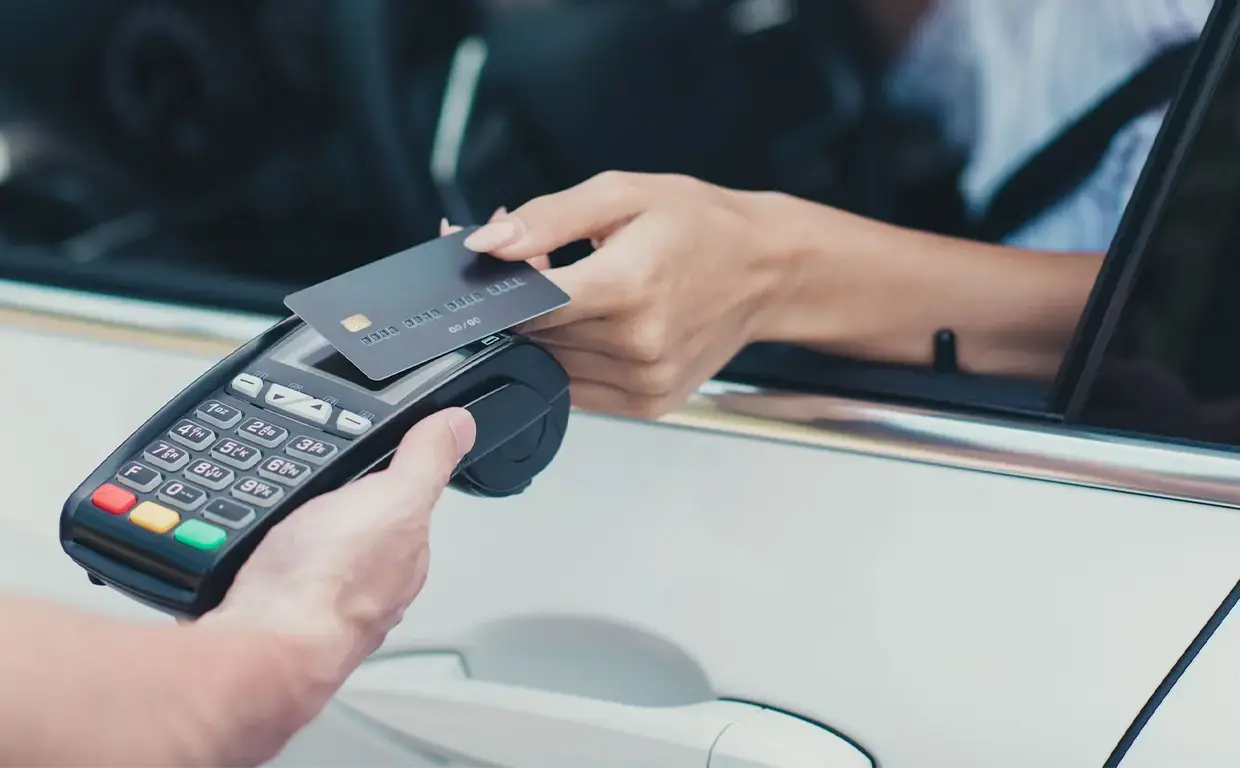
(403,310)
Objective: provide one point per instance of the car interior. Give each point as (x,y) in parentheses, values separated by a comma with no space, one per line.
(284,141)
(225,154)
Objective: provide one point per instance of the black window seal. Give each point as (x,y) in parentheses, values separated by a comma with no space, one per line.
(1154,189)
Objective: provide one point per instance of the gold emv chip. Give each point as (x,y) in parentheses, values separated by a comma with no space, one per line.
(355,323)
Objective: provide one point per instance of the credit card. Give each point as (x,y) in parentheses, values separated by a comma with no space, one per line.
(403,310)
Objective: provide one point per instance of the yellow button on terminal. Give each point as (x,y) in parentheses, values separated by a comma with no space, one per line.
(153,517)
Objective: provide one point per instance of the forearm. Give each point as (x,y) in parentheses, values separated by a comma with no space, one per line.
(884,291)
(77,689)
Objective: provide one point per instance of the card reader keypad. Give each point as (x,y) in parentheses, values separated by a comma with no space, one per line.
(215,472)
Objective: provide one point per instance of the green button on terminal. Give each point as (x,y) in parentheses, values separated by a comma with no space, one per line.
(199,535)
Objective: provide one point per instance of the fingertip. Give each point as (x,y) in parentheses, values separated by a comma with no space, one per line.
(464,430)
(436,443)
(496,236)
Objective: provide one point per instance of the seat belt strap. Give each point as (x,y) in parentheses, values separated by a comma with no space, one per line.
(1068,159)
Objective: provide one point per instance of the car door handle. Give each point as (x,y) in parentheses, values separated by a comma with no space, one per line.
(440,710)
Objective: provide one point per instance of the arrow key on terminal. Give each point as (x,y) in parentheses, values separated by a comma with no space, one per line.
(299,404)
(281,396)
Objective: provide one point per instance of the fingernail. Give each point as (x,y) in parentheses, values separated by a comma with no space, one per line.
(500,212)
(464,430)
(443,226)
(498,234)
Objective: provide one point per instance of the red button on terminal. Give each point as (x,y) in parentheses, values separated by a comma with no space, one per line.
(113,499)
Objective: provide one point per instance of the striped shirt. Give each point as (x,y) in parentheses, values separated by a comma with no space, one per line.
(1002,77)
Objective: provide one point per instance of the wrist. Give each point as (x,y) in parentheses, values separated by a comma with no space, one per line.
(275,683)
(325,653)
(810,298)
(783,247)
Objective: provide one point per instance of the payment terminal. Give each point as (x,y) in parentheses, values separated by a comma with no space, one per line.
(171,515)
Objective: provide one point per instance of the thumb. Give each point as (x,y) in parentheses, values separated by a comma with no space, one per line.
(428,452)
(590,210)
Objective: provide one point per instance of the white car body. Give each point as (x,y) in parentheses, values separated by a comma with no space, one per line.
(722,588)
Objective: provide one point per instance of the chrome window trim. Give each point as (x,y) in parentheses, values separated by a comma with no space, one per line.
(233,328)
(989,444)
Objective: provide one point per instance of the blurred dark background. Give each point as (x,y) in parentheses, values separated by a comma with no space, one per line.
(226,152)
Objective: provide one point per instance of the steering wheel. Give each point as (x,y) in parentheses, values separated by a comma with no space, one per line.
(362,42)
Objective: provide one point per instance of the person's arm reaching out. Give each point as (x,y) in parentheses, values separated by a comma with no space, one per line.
(871,290)
(685,274)
(77,689)
(316,597)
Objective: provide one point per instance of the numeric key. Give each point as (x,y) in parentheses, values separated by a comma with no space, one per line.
(165,455)
(191,435)
(235,453)
(262,432)
(284,470)
(218,414)
(260,493)
(209,474)
(178,494)
(311,449)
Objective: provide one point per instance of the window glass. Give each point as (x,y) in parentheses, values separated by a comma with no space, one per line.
(1166,363)
(229,152)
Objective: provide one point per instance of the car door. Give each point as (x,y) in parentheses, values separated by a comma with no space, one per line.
(876,583)
(929,614)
